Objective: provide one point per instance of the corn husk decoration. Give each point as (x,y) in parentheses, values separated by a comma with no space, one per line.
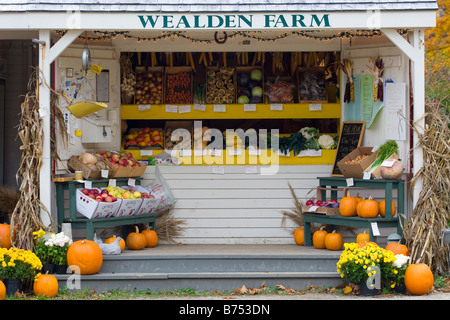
(347,68)
(376,68)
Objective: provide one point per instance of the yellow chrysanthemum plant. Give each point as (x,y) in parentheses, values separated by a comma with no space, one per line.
(19,264)
(369,263)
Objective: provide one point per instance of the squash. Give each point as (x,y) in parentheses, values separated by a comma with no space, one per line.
(151,238)
(2,290)
(86,255)
(382,209)
(46,285)
(367,208)
(363,237)
(398,248)
(334,241)
(88,158)
(347,206)
(319,238)
(136,240)
(418,279)
(299,236)
(121,242)
(5,236)
(394,172)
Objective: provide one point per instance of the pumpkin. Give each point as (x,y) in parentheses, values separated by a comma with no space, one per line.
(382,209)
(46,285)
(334,241)
(347,206)
(5,236)
(363,237)
(363,244)
(418,279)
(2,290)
(299,236)
(151,238)
(136,240)
(121,242)
(398,248)
(85,254)
(319,238)
(367,208)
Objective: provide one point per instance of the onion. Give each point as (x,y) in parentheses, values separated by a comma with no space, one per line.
(394,172)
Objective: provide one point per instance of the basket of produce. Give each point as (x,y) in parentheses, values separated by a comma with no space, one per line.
(149,85)
(90,164)
(144,138)
(250,84)
(179,85)
(220,85)
(280,90)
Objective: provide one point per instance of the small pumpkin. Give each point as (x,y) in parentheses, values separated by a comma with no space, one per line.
(382,209)
(46,285)
(121,242)
(363,244)
(86,254)
(398,248)
(419,279)
(334,241)
(2,290)
(5,236)
(299,236)
(151,238)
(136,240)
(347,206)
(319,238)
(363,237)
(367,208)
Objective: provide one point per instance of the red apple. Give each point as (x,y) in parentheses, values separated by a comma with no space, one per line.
(109,199)
(85,191)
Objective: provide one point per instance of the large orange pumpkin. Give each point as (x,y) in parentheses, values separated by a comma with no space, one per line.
(85,254)
(367,208)
(319,238)
(121,242)
(363,237)
(299,236)
(136,240)
(418,279)
(398,248)
(46,285)
(382,209)
(334,241)
(2,290)
(5,236)
(151,238)
(347,206)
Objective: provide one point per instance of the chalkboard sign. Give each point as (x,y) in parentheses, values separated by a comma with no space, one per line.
(350,139)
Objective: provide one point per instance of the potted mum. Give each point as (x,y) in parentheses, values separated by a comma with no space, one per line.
(43,252)
(18,268)
(59,244)
(397,275)
(366,265)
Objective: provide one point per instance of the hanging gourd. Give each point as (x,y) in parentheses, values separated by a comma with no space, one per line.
(382,208)
(299,236)
(367,208)
(334,241)
(319,238)
(419,279)
(347,206)
(136,240)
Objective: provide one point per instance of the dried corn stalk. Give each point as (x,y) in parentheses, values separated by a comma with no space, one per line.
(296,214)
(26,216)
(424,230)
(167,226)
(347,68)
(376,68)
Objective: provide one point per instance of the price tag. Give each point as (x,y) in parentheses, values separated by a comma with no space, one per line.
(184,109)
(215,152)
(220,108)
(276,106)
(315,107)
(254,152)
(198,153)
(185,153)
(112,182)
(349,182)
(388,163)
(131,182)
(313,208)
(88,184)
(146,153)
(251,169)
(249,107)
(105,173)
(284,154)
(143,107)
(367,175)
(171,108)
(234,152)
(218,170)
(375,230)
(200,107)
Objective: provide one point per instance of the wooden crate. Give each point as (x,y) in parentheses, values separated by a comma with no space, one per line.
(311,85)
(251,83)
(154,76)
(172,95)
(285,95)
(220,85)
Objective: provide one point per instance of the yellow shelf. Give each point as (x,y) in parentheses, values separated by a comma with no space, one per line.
(233,111)
(327,158)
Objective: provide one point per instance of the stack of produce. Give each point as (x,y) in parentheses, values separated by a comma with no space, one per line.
(127,194)
(144,138)
(178,88)
(220,86)
(99,195)
(149,88)
(250,86)
(122,159)
(184,141)
(281,91)
(93,161)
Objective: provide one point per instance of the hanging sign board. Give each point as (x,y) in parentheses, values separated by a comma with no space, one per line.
(350,139)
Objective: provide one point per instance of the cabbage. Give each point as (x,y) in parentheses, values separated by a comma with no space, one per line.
(257,91)
(256,74)
(243,99)
(243,79)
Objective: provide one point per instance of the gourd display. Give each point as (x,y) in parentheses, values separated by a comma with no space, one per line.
(418,279)
(382,208)
(347,206)
(334,241)
(363,237)
(136,240)
(121,242)
(367,208)
(5,236)
(46,285)
(2,290)
(87,255)
(319,238)
(151,238)
(398,248)
(299,236)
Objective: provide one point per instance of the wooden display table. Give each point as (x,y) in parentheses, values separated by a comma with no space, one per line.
(387,221)
(80,222)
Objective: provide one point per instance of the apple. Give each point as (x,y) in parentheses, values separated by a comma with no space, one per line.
(309,203)
(99,198)
(109,199)
(130,155)
(85,191)
(115,157)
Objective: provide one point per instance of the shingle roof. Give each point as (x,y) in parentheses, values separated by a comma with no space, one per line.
(212,5)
